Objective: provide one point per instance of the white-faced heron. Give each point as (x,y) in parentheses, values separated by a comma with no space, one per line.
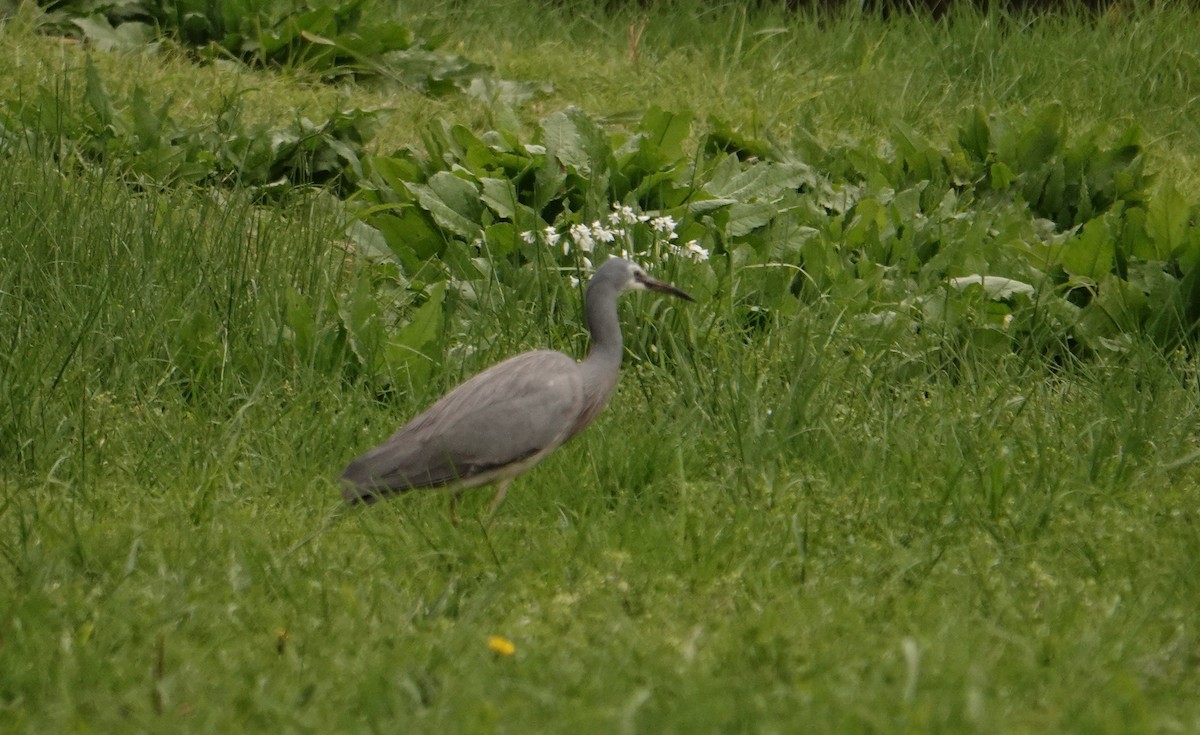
(508,418)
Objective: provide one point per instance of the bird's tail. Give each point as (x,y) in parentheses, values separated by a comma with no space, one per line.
(353,493)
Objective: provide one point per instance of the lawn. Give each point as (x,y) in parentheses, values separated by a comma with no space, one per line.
(835,494)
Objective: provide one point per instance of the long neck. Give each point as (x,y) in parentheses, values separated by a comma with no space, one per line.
(603,362)
(607,346)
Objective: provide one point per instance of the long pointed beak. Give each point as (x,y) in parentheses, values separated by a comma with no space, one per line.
(656,285)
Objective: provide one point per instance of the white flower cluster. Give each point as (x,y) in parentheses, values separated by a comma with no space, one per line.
(585,237)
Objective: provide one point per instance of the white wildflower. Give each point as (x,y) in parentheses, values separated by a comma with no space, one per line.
(582,235)
(602,234)
(573,281)
(695,252)
(552,237)
(622,214)
(529,236)
(664,224)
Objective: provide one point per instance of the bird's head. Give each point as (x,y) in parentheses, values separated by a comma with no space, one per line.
(628,276)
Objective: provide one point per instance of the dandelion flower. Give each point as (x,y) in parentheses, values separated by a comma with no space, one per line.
(500,645)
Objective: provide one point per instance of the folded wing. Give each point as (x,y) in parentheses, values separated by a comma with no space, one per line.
(519,409)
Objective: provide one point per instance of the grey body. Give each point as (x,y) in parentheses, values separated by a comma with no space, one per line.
(509,417)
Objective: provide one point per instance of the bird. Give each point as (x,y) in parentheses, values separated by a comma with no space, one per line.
(508,418)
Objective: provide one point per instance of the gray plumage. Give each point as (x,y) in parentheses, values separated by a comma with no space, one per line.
(507,418)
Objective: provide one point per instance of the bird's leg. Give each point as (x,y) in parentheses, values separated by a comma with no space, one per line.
(454,507)
(497,501)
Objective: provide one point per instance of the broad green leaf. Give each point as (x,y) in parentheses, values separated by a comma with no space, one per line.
(299,318)
(759,181)
(502,239)
(1167,221)
(1084,210)
(396,170)
(1188,255)
(1050,202)
(1091,252)
(866,221)
(358,311)
(1162,290)
(702,206)
(549,182)
(745,217)
(96,95)
(576,141)
(1000,175)
(159,164)
(377,38)
(1122,302)
(1041,138)
(149,125)
(506,92)
(920,160)
(1116,172)
(722,137)
(661,190)
(974,135)
(721,177)
(125,37)
(452,202)
(369,241)
(408,234)
(663,134)
(1134,240)
(413,347)
(997,288)
(501,196)
(474,155)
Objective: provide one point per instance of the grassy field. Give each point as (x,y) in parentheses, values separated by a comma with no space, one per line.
(819,525)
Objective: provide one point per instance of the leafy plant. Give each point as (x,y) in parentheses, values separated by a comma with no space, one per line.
(331,38)
(908,232)
(141,139)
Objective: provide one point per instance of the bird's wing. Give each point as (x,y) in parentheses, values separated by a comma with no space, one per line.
(509,412)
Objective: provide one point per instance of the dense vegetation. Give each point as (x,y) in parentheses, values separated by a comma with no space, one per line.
(922,457)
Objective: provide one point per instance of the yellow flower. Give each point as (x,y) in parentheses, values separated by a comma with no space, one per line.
(501,645)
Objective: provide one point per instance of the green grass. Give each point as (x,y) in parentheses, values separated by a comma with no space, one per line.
(848,75)
(816,524)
